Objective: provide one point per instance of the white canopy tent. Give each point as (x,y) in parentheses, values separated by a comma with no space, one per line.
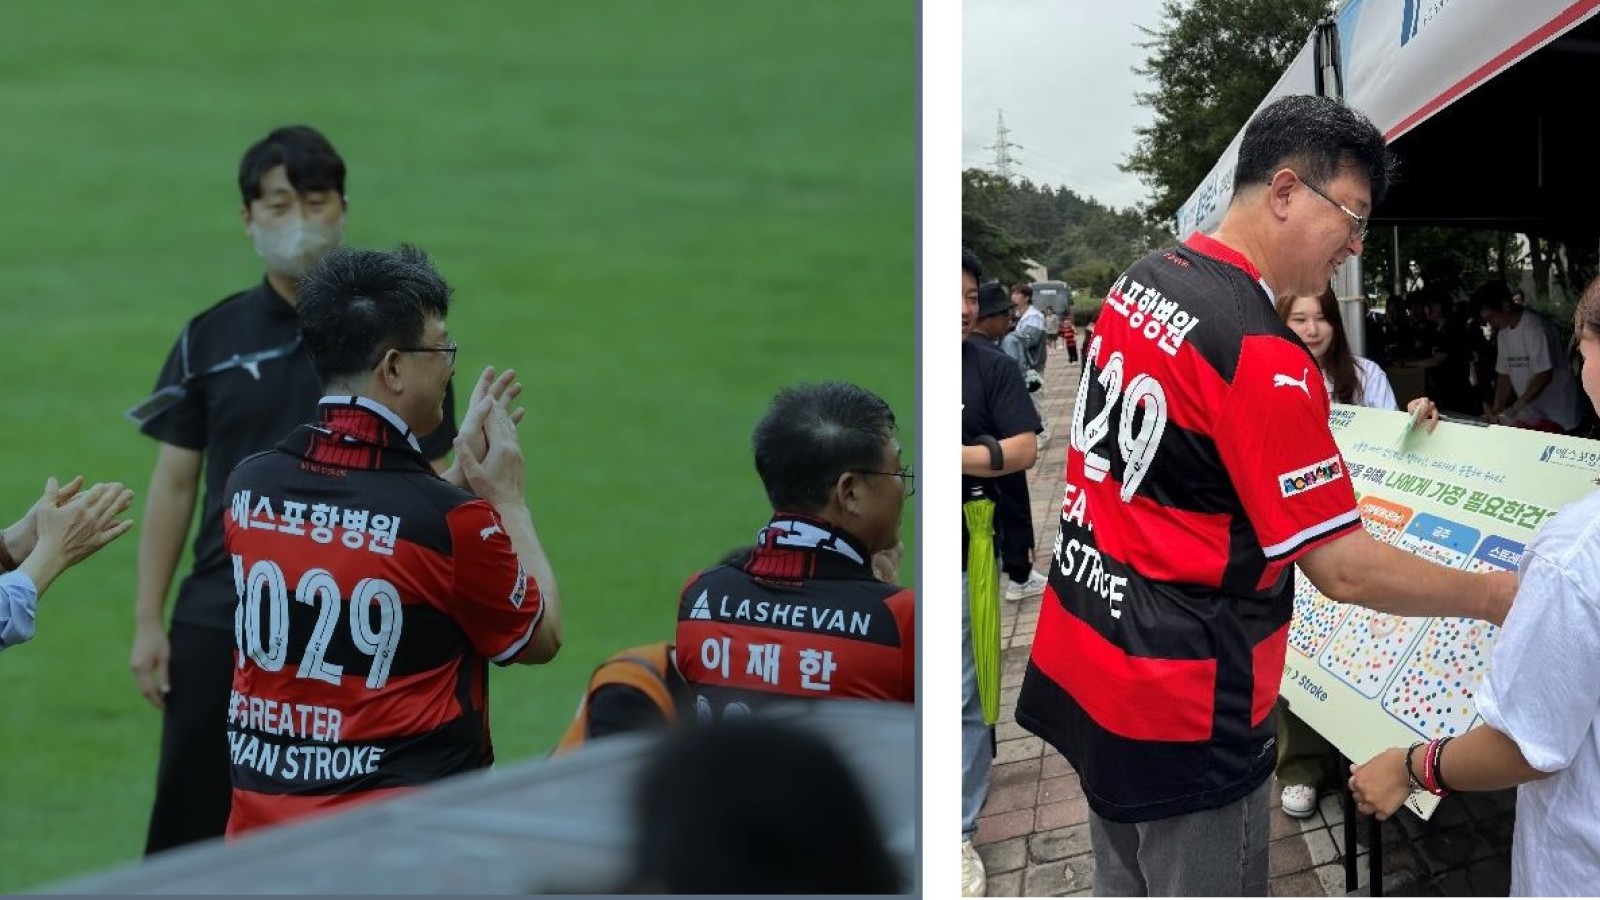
(1484,101)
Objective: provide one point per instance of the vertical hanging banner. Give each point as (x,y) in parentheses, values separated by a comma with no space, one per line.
(1466,496)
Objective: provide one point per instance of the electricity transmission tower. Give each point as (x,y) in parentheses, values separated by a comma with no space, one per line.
(1002,147)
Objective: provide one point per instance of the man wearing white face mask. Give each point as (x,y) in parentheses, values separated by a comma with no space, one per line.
(236,382)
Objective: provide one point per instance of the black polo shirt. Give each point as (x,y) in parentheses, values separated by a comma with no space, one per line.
(995,402)
(238,411)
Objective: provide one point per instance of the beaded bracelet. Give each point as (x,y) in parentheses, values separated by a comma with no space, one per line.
(1411,772)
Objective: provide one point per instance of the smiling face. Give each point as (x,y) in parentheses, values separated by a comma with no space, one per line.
(1306,319)
(1322,234)
(427,375)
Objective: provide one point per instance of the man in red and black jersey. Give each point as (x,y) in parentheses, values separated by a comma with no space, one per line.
(1201,468)
(801,614)
(373,593)
(237,379)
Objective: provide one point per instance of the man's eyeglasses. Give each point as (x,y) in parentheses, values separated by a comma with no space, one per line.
(907,474)
(449,349)
(1358,224)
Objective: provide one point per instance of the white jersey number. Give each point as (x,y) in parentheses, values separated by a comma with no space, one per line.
(1138,447)
(266,583)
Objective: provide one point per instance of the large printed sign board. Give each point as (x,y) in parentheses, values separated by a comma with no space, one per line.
(1466,496)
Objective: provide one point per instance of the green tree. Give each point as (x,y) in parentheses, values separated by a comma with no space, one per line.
(1211,62)
(1073,237)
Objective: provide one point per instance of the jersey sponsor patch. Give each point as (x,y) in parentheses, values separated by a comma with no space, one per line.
(702,606)
(520,591)
(1313,476)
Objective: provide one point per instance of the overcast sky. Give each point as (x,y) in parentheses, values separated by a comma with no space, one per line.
(1062,71)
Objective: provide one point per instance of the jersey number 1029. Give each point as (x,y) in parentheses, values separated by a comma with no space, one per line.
(266,583)
(1138,445)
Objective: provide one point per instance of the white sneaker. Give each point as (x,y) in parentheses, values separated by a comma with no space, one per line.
(1299,801)
(1034,586)
(974,883)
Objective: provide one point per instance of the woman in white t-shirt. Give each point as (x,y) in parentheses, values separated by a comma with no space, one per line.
(1540,699)
(1303,754)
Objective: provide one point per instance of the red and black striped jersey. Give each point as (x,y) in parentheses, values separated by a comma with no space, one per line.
(1200,467)
(372,595)
(798,615)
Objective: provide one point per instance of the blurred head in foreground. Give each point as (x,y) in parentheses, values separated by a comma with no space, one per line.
(752,806)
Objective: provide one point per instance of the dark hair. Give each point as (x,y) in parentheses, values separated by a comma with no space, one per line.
(812,434)
(1337,361)
(971,265)
(1586,318)
(755,806)
(1317,137)
(1023,288)
(357,304)
(306,156)
(1492,294)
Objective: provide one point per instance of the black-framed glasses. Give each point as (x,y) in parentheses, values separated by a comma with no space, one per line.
(1358,224)
(449,349)
(907,474)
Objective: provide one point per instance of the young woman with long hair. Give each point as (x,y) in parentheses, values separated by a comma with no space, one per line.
(1303,753)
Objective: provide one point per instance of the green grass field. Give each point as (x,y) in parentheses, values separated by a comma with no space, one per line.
(658,213)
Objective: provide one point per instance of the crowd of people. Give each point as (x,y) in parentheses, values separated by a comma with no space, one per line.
(361,558)
(1210,372)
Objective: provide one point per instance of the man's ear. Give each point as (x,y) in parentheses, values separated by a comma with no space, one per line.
(388,371)
(1279,190)
(847,492)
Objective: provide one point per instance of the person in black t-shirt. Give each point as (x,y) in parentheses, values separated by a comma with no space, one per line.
(236,381)
(1013,509)
(998,428)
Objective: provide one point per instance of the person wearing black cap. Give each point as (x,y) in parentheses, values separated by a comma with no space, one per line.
(998,429)
(995,328)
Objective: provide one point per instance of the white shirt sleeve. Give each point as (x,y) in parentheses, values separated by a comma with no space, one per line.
(1543,683)
(1376,392)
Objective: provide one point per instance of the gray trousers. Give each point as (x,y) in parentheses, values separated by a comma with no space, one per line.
(1216,853)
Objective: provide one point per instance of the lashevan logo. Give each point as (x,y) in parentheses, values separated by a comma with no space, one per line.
(1329,470)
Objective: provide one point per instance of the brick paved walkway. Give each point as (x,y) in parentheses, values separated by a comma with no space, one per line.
(1034,833)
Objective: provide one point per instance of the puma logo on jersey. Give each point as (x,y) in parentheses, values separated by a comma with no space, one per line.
(489,532)
(1285,381)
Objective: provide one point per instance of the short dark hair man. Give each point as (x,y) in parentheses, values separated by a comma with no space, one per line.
(1160,646)
(237,379)
(999,428)
(801,614)
(1534,387)
(372,592)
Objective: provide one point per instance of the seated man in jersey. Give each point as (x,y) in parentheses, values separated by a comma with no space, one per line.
(802,614)
(374,593)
